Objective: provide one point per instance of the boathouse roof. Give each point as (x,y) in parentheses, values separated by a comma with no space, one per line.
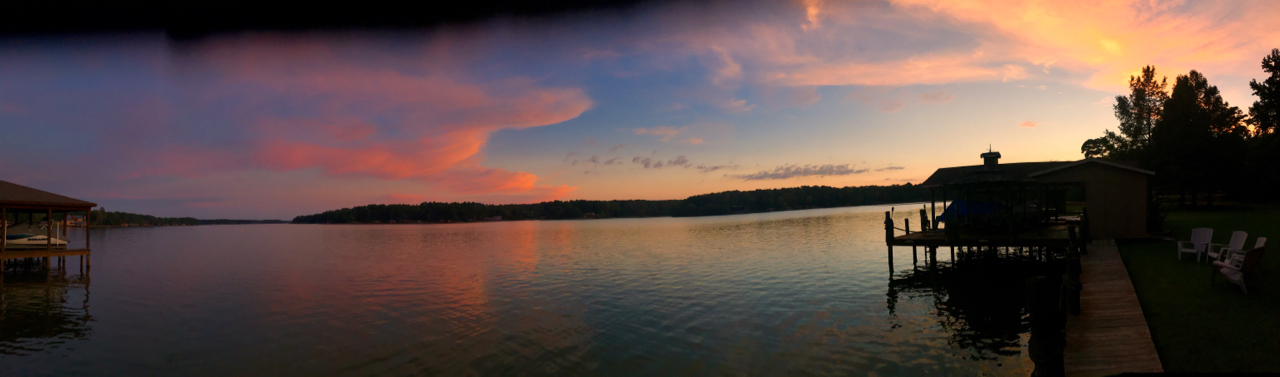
(13,195)
(1014,172)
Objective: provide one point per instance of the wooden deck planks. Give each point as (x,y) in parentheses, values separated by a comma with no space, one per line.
(41,253)
(1110,335)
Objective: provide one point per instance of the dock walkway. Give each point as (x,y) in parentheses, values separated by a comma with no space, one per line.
(1110,335)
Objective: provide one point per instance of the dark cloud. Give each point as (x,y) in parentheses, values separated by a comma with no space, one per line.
(890,168)
(650,162)
(708,169)
(616,147)
(679,161)
(612,161)
(594,160)
(792,171)
(647,161)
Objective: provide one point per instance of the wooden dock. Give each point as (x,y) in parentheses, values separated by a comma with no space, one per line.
(1110,335)
(1053,235)
(40,253)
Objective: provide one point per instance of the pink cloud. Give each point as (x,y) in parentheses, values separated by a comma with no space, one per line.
(352,112)
(392,160)
(941,96)
(1029,124)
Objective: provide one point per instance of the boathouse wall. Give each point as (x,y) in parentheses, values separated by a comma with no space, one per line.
(1115,197)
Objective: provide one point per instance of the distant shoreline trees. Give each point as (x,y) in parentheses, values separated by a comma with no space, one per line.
(1195,141)
(721,203)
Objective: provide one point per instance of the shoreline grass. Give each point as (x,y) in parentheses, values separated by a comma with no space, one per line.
(1199,327)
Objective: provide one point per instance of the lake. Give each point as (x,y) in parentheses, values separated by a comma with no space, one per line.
(798,292)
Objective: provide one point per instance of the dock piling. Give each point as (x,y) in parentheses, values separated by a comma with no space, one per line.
(888,237)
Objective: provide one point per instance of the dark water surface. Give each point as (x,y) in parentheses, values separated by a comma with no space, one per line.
(802,292)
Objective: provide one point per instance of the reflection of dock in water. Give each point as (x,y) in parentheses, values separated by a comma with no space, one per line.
(41,308)
(981,302)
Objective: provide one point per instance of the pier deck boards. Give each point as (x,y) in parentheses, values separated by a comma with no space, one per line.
(1054,235)
(1110,335)
(40,253)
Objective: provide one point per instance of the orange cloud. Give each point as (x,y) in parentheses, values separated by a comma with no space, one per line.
(1029,124)
(925,69)
(1110,39)
(1096,43)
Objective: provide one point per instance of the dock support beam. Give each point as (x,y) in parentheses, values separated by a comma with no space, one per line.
(906,225)
(888,237)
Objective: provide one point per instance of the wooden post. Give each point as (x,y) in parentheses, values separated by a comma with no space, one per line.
(87,263)
(888,238)
(933,208)
(48,230)
(4,220)
(906,226)
(924,220)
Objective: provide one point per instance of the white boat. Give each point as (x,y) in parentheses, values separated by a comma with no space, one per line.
(32,241)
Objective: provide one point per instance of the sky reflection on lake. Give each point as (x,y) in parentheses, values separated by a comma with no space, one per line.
(792,292)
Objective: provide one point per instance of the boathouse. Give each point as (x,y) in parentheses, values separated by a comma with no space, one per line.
(39,209)
(1114,194)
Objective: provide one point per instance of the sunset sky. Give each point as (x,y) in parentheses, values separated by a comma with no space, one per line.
(658,102)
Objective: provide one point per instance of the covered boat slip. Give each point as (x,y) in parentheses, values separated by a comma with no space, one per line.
(21,205)
(1049,235)
(1025,205)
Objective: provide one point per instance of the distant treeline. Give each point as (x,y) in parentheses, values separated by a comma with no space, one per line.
(103,218)
(722,203)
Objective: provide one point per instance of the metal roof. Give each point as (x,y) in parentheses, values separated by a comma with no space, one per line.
(1014,172)
(12,194)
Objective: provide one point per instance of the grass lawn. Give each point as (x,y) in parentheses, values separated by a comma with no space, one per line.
(1198,327)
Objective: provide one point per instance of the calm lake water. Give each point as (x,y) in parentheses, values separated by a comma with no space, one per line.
(801,292)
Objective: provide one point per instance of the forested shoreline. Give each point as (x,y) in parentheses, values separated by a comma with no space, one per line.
(102,218)
(721,203)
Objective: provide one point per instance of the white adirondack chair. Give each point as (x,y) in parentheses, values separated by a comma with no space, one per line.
(1247,268)
(1234,259)
(1217,251)
(1200,238)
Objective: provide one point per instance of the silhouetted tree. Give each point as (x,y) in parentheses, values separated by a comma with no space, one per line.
(1265,113)
(1197,141)
(1138,114)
